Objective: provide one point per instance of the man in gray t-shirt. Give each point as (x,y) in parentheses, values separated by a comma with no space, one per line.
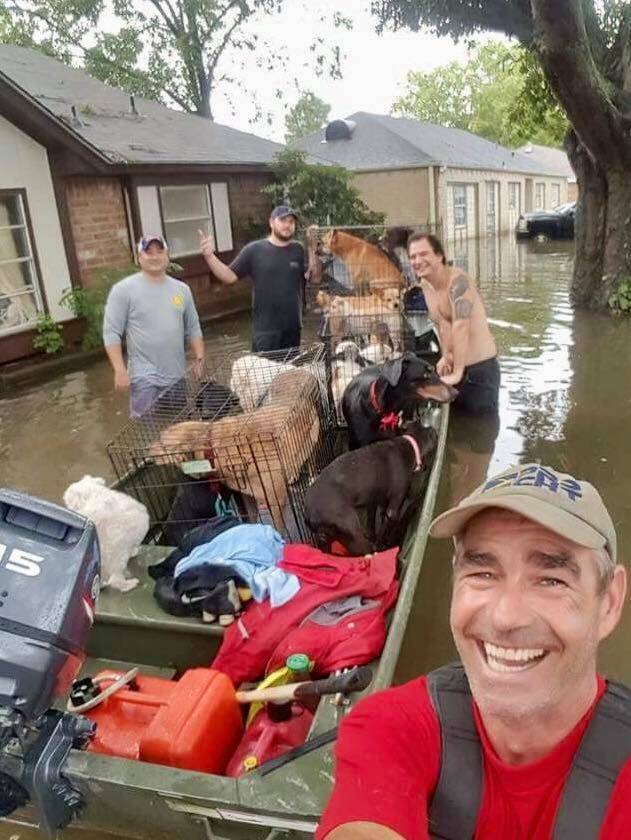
(157,315)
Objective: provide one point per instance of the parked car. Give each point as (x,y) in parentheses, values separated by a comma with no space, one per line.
(547,224)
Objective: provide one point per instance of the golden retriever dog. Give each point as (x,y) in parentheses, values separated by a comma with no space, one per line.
(260,452)
(366,263)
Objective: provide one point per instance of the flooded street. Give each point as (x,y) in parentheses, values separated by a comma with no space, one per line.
(565,401)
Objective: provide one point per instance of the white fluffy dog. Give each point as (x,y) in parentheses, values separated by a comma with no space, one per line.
(251,377)
(121,525)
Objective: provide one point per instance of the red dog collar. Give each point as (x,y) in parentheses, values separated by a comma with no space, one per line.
(388,422)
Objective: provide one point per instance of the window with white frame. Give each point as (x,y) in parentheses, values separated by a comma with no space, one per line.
(185,210)
(514,196)
(20,295)
(460,205)
(540,196)
(555,191)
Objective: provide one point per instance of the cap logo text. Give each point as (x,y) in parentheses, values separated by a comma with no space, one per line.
(535,476)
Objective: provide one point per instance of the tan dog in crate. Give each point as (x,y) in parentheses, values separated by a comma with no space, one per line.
(258,453)
(366,263)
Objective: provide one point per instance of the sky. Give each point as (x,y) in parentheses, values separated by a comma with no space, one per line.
(374,67)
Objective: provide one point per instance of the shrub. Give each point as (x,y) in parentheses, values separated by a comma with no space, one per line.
(50,336)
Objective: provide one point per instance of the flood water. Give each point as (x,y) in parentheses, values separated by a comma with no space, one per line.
(565,401)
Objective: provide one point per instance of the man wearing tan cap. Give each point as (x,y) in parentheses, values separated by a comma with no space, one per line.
(524,740)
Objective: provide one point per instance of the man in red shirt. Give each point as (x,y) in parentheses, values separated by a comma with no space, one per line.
(542,749)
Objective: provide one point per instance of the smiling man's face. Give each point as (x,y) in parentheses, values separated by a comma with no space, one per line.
(527,614)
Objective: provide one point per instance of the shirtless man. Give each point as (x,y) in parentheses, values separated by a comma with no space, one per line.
(469,355)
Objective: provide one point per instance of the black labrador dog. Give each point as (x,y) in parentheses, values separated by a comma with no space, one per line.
(375,479)
(380,392)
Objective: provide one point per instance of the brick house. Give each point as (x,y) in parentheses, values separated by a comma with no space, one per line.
(86,169)
(421,173)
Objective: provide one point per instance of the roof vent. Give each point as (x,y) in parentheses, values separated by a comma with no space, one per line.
(528,148)
(132,107)
(74,119)
(339,130)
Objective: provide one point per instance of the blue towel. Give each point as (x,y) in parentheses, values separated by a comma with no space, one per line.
(252,552)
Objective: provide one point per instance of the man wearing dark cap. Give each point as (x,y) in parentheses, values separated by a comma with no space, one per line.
(156,315)
(524,740)
(278,270)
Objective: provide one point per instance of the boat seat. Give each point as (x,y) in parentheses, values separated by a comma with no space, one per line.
(139,607)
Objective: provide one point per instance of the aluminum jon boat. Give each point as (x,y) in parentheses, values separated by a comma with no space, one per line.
(131,799)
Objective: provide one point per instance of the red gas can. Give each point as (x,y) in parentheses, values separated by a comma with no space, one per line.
(266,738)
(193,723)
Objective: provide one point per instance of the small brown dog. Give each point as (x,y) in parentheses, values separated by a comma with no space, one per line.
(366,263)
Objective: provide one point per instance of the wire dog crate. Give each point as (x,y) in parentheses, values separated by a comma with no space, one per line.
(247,436)
(368,305)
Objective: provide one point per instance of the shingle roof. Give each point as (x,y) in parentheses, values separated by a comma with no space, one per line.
(552,158)
(158,135)
(383,142)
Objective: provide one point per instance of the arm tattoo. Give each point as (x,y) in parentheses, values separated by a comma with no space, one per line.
(458,287)
(462,309)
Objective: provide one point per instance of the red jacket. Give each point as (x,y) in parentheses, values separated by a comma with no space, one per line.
(249,643)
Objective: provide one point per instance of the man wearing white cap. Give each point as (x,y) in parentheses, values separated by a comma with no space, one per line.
(157,316)
(524,739)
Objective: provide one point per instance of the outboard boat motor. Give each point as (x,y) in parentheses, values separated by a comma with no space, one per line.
(49,582)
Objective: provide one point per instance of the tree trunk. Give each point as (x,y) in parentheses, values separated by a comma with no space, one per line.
(617,242)
(589,228)
(600,150)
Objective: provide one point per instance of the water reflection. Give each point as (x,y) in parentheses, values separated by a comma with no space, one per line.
(563,402)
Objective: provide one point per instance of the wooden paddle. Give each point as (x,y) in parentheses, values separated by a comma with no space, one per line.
(354,680)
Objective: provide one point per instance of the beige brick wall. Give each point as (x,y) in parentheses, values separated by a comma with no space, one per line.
(479,178)
(402,194)
(99,224)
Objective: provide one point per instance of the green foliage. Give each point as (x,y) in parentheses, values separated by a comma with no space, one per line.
(307,115)
(321,195)
(89,303)
(50,336)
(500,94)
(170,50)
(620,299)
(252,228)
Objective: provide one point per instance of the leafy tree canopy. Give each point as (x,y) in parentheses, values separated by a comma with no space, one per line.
(307,115)
(500,94)
(170,50)
(320,194)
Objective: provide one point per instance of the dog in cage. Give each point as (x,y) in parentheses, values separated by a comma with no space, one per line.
(366,263)
(252,377)
(380,345)
(121,525)
(346,362)
(261,451)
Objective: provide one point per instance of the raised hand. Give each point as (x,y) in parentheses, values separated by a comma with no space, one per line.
(206,244)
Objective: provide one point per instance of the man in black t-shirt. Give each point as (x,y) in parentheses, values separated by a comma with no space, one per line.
(278,271)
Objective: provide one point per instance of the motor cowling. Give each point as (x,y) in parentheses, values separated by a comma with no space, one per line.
(49,583)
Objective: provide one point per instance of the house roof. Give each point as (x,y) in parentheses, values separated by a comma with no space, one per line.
(547,156)
(383,142)
(157,135)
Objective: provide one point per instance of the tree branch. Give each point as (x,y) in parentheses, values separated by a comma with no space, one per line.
(217,52)
(564,51)
(170,22)
(457,18)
